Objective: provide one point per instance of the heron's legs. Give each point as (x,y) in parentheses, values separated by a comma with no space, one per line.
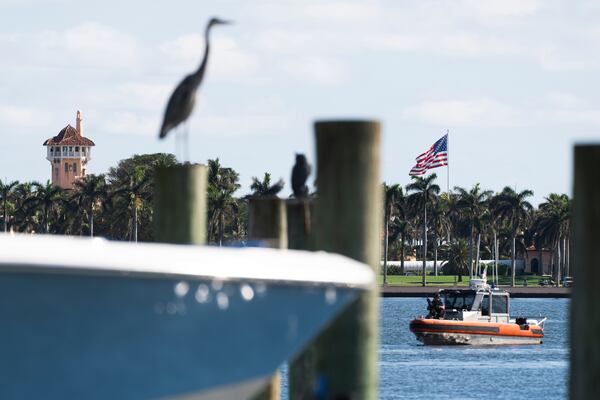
(177,146)
(186,142)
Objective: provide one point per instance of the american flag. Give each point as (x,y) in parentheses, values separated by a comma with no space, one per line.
(435,156)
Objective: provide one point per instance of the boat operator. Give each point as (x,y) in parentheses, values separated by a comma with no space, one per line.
(435,307)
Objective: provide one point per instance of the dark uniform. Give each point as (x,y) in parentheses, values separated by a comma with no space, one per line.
(435,307)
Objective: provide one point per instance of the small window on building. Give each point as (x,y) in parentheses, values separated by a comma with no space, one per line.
(64,148)
(74,167)
(70,148)
(83,149)
(76,148)
(66,167)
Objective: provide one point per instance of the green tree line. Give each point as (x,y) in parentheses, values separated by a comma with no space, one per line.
(468,224)
(461,227)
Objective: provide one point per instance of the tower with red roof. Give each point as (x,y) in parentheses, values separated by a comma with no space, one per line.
(69,153)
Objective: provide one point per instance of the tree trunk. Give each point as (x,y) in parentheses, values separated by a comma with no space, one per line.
(435,253)
(496,256)
(471,253)
(135,223)
(568,258)
(92,220)
(221,228)
(477,253)
(558,261)
(5,229)
(402,253)
(513,263)
(424,242)
(385,244)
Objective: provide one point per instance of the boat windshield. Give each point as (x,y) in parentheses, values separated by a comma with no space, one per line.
(459,300)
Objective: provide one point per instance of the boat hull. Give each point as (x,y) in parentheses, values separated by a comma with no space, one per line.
(446,332)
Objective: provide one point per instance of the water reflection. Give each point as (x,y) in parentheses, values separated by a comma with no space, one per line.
(202,293)
(247,292)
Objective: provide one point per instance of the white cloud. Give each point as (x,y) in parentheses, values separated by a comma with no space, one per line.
(498,9)
(15,117)
(87,45)
(564,100)
(100,45)
(227,60)
(319,70)
(481,112)
(141,95)
(330,12)
(580,117)
(129,123)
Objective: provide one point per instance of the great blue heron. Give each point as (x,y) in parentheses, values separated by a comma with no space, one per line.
(182,100)
(300,173)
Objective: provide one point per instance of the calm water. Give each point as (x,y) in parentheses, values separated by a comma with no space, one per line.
(409,370)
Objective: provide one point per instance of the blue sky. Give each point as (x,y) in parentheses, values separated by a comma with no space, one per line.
(515,82)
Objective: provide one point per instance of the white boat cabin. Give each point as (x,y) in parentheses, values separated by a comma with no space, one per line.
(476,305)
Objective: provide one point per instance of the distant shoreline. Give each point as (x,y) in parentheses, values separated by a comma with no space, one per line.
(515,292)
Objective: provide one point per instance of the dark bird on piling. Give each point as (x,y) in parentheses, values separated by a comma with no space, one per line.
(300,174)
(182,100)
(274,189)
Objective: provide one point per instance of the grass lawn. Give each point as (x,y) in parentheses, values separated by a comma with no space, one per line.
(415,280)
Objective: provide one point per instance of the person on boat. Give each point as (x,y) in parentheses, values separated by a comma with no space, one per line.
(435,307)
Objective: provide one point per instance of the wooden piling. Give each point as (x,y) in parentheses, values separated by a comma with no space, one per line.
(300,214)
(180,204)
(267,223)
(585,303)
(300,218)
(348,221)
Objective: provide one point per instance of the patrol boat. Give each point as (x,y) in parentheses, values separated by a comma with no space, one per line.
(479,315)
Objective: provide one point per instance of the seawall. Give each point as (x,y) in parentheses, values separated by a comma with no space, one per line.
(515,292)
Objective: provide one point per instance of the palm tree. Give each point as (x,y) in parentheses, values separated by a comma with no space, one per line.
(133,191)
(391,194)
(47,197)
(424,190)
(457,254)
(222,183)
(475,204)
(260,188)
(89,191)
(25,209)
(553,225)
(513,208)
(438,224)
(6,191)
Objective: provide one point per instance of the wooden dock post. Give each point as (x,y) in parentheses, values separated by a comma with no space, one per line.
(300,217)
(267,223)
(585,303)
(180,204)
(348,221)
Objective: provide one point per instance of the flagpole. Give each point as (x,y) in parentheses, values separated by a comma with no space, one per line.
(448,170)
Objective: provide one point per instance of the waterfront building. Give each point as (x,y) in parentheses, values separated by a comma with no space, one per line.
(539,262)
(69,153)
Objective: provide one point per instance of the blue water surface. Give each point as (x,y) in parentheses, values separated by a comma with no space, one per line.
(409,370)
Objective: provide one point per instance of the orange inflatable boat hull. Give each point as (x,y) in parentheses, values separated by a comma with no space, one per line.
(443,332)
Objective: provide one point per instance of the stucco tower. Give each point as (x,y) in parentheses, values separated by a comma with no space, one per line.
(69,153)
